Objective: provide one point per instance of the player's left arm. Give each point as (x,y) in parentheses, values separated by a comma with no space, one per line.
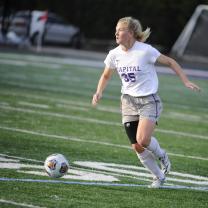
(167,61)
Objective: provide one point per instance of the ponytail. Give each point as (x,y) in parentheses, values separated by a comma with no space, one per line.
(135,26)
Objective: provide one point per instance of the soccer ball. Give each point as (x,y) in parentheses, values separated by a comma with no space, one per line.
(56,165)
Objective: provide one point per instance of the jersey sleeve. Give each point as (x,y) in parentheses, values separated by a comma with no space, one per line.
(154,54)
(110,61)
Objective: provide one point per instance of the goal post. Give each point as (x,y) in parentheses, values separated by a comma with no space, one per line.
(192,43)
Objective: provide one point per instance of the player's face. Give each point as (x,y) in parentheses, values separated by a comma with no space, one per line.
(122,33)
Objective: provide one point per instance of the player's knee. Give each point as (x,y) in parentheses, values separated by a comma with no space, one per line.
(137,147)
(143,141)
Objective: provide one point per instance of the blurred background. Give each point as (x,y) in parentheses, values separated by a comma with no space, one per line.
(90,24)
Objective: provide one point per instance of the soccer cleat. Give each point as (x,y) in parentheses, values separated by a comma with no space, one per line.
(165,163)
(157,183)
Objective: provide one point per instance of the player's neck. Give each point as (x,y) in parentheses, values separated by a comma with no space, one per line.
(128,45)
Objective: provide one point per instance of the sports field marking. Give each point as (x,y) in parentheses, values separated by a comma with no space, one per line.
(169,114)
(76,168)
(36,105)
(99,184)
(130,169)
(99,107)
(44,87)
(62,101)
(4,103)
(55,60)
(19,204)
(56,89)
(72,107)
(85,61)
(85,106)
(92,120)
(14,63)
(101,171)
(24,63)
(87,141)
(75,105)
(21,158)
(106,168)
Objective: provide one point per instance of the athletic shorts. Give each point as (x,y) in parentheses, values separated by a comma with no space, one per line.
(136,108)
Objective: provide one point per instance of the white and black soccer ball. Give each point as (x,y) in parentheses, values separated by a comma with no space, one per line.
(56,165)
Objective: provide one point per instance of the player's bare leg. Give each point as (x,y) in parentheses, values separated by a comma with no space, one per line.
(144,134)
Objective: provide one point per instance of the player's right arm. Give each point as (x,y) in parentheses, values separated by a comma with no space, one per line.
(105,77)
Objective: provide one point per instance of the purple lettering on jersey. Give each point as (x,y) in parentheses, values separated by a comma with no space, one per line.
(128,69)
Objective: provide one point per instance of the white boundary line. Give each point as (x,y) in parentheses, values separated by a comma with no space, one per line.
(22,158)
(86,106)
(86,61)
(19,204)
(100,184)
(89,141)
(26,64)
(69,104)
(105,108)
(36,105)
(101,168)
(92,120)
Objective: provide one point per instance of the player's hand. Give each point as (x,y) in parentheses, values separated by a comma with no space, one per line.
(96,98)
(192,86)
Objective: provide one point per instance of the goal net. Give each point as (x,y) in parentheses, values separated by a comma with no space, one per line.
(192,44)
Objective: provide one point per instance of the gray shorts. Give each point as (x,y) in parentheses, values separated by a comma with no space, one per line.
(136,108)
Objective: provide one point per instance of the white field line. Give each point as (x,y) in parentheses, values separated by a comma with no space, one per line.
(66,77)
(79,62)
(24,63)
(109,109)
(92,120)
(85,61)
(186,117)
(63,101)
(19,204)
(14,63)
(72,107)
(36,105)
(88,169)
(21,158)
(53,89)
(59,115)
(60,61)
(4,103)
(75,139)
(135,172)
(80,92)
(170,115)
(55,60)
(83,166)
(75,106)
(177,187)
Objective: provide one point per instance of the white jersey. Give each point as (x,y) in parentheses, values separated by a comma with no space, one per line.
(135,68)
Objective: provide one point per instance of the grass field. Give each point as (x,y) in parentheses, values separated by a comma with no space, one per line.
(45,108)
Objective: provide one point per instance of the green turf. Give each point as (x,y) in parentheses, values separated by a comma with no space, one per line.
(45,107)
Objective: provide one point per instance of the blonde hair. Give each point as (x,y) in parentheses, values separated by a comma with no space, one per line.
(135,26)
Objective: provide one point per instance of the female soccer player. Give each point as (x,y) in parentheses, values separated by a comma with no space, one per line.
(140,104)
